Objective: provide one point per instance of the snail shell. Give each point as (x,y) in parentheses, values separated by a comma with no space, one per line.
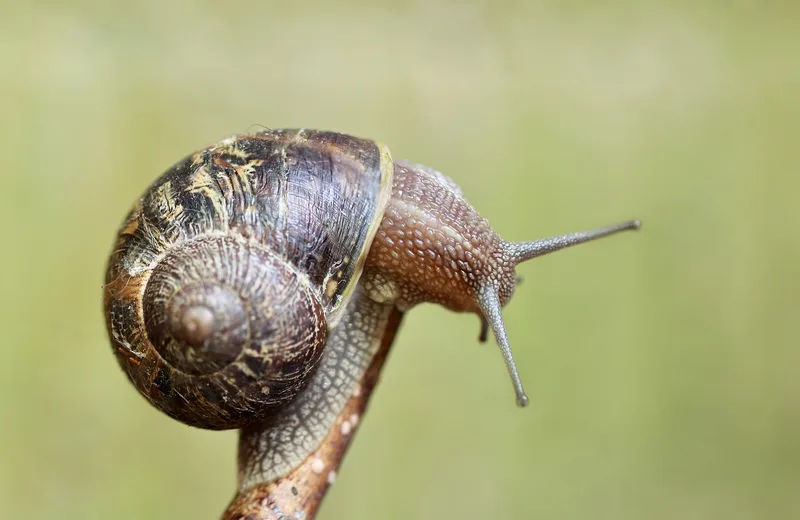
(232,270)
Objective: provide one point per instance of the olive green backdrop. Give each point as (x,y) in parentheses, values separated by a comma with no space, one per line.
(663,366)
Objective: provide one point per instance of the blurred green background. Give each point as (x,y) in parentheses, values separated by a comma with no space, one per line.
(662,366)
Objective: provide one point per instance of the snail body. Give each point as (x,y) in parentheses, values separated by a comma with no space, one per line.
(251,284)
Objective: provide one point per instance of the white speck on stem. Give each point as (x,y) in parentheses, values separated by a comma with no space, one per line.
(317,466)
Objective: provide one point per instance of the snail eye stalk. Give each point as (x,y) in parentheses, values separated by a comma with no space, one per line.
(490,306)
(518,252)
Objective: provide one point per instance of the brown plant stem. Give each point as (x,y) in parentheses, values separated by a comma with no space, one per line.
(299,494)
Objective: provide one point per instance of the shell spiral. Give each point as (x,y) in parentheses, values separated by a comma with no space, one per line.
(231,270)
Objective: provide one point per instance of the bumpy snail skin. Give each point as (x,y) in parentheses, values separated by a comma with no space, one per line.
(434,246)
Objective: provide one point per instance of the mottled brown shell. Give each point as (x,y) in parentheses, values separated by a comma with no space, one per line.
(230,271)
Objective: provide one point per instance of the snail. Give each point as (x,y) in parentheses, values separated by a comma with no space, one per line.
(252,282)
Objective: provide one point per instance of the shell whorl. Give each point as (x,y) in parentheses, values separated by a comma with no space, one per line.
(194,310)
(239,331)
